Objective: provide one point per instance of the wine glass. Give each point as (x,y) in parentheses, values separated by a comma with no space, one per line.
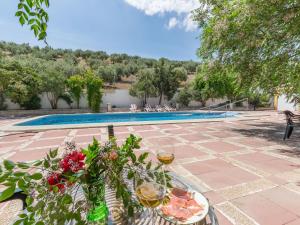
(166,156)
(150,190)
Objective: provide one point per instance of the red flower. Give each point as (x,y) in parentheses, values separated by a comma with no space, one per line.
(56,179)
(73,162)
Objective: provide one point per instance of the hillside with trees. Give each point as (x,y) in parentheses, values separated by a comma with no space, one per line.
(26,72)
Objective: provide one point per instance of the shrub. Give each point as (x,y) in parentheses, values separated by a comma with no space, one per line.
(94,86)
(33,103)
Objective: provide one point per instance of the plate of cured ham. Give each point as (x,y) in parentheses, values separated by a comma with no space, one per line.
(184,207)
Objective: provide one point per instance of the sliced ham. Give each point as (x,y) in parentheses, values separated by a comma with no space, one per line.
(181,206)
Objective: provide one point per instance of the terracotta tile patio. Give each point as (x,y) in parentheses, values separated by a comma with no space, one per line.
(245,169)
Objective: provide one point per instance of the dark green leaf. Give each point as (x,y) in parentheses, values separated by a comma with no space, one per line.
(29,2)
(46,164)
(19,174)
(23,165)
(143,156)
(29,200)
(18,222)
(36,176)
(53,153)
(38,163)
(9,165)
(7,193)
(22,20)
(67,199)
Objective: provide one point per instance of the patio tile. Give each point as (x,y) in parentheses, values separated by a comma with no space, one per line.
(10,144)
(195,137)
(87,131)
(221,146)
(46,142)
(55,133)
(86,139)
(264,211)
(178,131)
(294,222)
(284,198)
(17,137)
(147,134)
(29,155)
(267,163)
(163,141)
(222,179)
(219,174)
(222,219)
(254,142)
(143,128)
(213,197)
(185,151)
(220,134)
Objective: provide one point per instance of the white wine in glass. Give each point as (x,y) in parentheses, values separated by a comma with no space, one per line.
(150,191)
(165,158)
(150,194)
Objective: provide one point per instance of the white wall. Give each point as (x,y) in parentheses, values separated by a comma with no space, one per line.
(284,104)
(117,97)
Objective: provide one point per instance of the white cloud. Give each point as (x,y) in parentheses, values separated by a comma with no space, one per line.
(182,8)
(172,23)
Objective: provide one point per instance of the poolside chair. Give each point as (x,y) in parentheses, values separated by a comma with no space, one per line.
(133,108)
(169,108)
(148,108)
(290,123)
(158,108)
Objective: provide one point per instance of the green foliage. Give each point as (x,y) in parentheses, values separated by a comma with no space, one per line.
(257,40)
(184,96)
(144,85)
(23,85)
(94,86)
(168,78)
(54,77)
(33,13)
(75,85)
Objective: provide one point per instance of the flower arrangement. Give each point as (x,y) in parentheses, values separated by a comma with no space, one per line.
(52,185)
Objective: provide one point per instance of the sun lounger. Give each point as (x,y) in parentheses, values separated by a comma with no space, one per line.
(133,108)
(169,108)
(158,108)
(291,121)
(148,108)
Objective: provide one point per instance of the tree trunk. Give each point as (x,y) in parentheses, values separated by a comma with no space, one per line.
(160,97)
(145,100)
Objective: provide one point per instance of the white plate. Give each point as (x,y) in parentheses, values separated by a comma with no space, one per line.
(201,200)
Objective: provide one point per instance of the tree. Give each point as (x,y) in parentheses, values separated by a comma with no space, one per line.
(94,86)
(258,40)
(24,86)
(144,87)
(75,85)
(54,83)
(184,96)
(168,78)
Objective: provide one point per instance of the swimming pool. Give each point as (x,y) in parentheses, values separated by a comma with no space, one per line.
(61,119)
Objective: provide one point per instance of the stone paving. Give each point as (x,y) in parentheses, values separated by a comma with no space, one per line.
(245,169)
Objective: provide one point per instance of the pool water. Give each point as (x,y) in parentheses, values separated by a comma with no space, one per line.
(60,119)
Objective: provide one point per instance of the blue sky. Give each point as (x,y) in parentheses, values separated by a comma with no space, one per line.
(149,28)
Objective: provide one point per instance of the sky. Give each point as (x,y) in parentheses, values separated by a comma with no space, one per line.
(148,28)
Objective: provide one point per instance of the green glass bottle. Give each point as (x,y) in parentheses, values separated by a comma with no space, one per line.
(98,210)
(98,215)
